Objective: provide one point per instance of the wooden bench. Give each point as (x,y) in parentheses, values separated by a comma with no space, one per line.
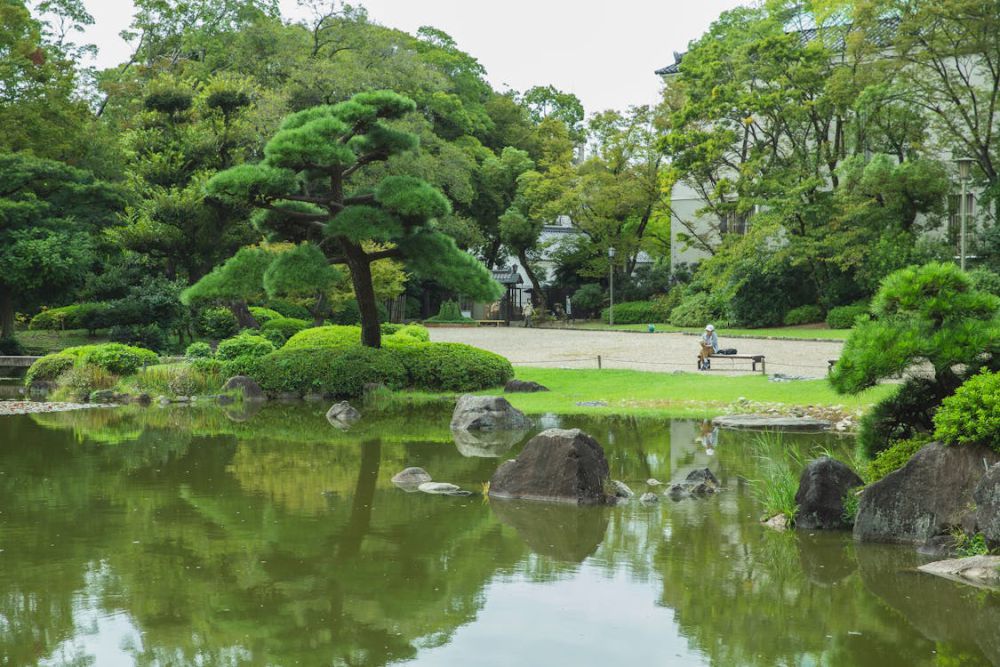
(754,359)
(490,323)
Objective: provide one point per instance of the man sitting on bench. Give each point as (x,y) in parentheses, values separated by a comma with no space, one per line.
(709,346)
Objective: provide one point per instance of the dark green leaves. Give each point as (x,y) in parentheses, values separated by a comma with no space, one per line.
(411,198)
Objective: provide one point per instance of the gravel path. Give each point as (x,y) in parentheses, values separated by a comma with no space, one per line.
(663,352)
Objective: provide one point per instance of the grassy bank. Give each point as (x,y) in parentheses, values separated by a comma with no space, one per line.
(671,394)
(803,332)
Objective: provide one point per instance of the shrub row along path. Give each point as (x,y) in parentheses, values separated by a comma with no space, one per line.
(658,352)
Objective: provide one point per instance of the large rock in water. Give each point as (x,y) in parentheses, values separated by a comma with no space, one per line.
(987,497)
(556,465)
(342,414)
(487,413)
(247,386)
(820,497)
(927,497)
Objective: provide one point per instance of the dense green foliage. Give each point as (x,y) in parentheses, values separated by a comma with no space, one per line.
(451,367)
(809,314)
(972,414)
(697,310)
(905,415)
(199,350)
(894,458)
(637,312)
(113,358)
(449,313)
(844,317)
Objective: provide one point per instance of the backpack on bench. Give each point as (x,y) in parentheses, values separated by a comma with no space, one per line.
(728,351)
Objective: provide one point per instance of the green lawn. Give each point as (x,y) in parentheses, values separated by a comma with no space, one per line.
(44,342)
(804,332)
(671,394)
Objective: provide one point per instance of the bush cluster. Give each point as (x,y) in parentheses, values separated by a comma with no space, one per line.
(972,414)
(637,312)
(241,353)
(199,350)
(280,329)
(264,315)
(113,357)
(334,371)
(844,317)
(75,367)
(452,367)
(906,414)
(330,336)
(697,310)
(216,323)
(289,309)
(588,299)
(450,312)
(55,319)
(809,314)
(895,457)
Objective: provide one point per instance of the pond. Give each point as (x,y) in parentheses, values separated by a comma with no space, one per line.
(196,536)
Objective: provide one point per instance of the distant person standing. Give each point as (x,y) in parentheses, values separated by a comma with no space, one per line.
(709,346)
(528,311)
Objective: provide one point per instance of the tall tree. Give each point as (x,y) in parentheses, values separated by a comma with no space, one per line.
(318,183)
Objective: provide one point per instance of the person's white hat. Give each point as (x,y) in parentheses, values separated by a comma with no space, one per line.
(710,328)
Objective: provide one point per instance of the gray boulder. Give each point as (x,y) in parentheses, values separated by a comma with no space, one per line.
(487,413)
(621,489)
(987,497)
(556,465)
(342,414)
(523,387)
(411,478)
(983,571)
(649,498)
(245,385)
(820,498)
(700,482)
(927,497)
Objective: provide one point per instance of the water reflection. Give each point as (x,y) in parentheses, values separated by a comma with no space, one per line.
(487,444)
(179,536)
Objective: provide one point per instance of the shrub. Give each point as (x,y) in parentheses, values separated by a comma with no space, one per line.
(331,336)
(150,336)
(697,310)
(350,314)
(80,380)
(242,345)
(894,457)
(11,347)
(588,299)
(985,280)
(452,367)
(113,357)
(280,329)
(336,372)
(179,379)
(55,319)
(208,365)
(411,333)
(198,350)
(906,414)
(289,309)
(636,312)
(389,328)
(844,317)
(972,414)
(808,314)
(264,315)
(49,368)
(216,323)
(449,312)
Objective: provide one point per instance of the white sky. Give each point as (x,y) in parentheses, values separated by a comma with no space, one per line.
(603,52)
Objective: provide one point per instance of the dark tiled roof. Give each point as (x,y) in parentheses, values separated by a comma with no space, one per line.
(837,40)
(507,276)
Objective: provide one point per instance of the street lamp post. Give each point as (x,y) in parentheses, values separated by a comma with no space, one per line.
(611,276)
(964,172)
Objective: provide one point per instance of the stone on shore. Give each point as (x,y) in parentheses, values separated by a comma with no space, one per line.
(981,571)
(556,465)
(439,488)
(245,385)
(523,387)
(987,498)
(621,489)
(928,497)
(822,487)
(487,413)
(772,423)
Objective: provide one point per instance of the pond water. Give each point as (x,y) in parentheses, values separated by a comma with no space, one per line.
(195,536)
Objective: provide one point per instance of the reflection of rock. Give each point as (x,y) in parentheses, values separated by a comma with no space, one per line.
(987,497)
(559,465)
(653,482)
(649,498)
(411,478)
(981,571)
(523,387)
(941,610)
(246,385)
(486,444)
(487,413)
(342,414)
(925,498)
(562,532)
(824,558)
(241,412)
(822,487)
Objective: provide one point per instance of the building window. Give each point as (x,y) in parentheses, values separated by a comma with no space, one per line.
(734,222)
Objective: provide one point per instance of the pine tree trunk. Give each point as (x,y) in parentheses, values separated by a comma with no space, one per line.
(244,318)
(319,309)
(364,292)
(538,296)
(6,314)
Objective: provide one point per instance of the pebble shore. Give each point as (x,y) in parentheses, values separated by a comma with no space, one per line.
(32,407)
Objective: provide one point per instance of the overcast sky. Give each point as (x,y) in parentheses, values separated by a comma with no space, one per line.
(603,52)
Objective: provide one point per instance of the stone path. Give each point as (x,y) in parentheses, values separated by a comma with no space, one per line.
(661,352)
(29,407)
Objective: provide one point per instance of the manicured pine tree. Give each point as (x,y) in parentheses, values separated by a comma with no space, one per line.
(318,185)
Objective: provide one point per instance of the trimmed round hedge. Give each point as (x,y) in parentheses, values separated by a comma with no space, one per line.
(637,312)
(843,317)
(112,357)
(972,414)
(452,367)
(343,336)
(336,372)
(283,327)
